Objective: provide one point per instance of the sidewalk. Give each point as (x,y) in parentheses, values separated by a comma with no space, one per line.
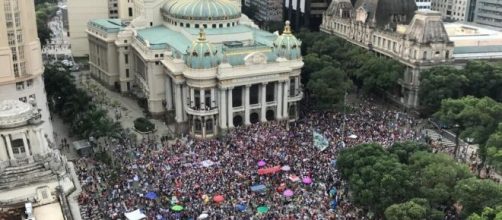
(465,152)
(129,108)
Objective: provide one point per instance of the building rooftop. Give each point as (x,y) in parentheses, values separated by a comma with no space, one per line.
(162,37)
(474,41)
(108,25)
(383,12)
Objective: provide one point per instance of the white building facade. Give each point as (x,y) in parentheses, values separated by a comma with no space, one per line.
(201,61)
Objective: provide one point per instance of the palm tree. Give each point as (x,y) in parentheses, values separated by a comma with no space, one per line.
(75,104)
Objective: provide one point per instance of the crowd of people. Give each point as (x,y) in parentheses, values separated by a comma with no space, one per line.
(244,174)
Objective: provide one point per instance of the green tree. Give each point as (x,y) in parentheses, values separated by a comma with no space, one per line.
(475,194)
(436,176)
(44,10)
(405,150)
(376,179)
(406,211)
(488,214)
(485,79)
(440,83)
(494,148)
(328,86)
(478,118)
(379,75)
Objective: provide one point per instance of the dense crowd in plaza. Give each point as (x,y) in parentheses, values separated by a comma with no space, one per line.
(219,178)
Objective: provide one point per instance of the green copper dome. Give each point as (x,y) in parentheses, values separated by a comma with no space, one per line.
(286,45)
(202,54)
(202,9)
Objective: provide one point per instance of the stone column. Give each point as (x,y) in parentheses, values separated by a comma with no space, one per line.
(297,85)
(9,147)
(246,105)
(184,96)
(285,101)
(3,150)
(278,112)
(230,109)
(25,145)
(169,94)
(263,102)
(192,97)
(213,98)
(223,108)
(202,99)
(41,143)
(178,105)
(203,125)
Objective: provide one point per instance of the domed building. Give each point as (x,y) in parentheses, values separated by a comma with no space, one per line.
(200,63)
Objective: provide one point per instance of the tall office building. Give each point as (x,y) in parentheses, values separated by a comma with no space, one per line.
(30,171)
(21,58)
(268,10)
(452,10)
(79,13)
(489,12)
(423,4)
(305,13)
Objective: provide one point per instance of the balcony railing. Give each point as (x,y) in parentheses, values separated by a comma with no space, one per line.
(201,112)
(296,98)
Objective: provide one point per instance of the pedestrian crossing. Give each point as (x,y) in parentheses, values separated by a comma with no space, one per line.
(435,136)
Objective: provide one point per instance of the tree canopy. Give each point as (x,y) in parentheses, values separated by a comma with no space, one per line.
(478,118)
(478,79)
(334,58)
(44,10)
(406,181)
(75,106)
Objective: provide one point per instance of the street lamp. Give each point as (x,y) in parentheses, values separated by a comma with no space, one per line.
(457,131)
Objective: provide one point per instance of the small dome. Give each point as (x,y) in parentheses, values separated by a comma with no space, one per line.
(286,45)
(14,113)
(202,54)
(202,9)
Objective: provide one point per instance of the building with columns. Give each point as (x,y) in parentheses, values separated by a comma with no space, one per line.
(30,171)
(417,39)
(202,62)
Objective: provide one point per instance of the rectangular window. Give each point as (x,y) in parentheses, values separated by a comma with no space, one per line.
(17,19)
(11,38)
(127,73)
(19,38)
(19,86)
(20,50)
(130,12)
(14,53)
(126,58)
(29,83)
(22,99)
(16,70)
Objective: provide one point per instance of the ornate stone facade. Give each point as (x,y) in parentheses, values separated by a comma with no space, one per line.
(29,170)
(213,69)
(417,39)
